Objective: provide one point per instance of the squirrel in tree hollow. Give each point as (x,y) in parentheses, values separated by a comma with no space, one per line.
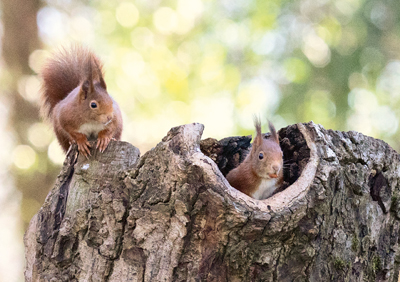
(261,173)
(75,99)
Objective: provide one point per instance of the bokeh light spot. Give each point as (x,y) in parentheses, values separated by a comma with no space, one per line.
(133,64)
(55,153)
(29,88)
(127,14)
(40,135)
(52,24)
(389,82)
(316,50)
(218,118)
(385,120)
(255,98)
(37,58)
(362,99)
(142,38)
(24,156)
(165,20)
(105,21)
(81,28)
(190,9)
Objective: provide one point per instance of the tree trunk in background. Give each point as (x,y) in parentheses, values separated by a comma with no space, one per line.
(19,41)
(171,215)
(20,33)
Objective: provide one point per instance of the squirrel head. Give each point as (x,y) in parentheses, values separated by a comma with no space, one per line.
(266,155)
(93,94)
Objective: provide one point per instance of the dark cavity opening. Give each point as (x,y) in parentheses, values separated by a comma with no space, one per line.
(229,152)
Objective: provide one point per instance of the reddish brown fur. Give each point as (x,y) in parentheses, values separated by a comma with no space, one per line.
(63,72)
(72,80)
(243,178)
(248,176)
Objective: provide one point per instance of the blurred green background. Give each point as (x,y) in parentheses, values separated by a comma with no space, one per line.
(174,62)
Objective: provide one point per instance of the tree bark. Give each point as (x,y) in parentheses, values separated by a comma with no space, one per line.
(172,216)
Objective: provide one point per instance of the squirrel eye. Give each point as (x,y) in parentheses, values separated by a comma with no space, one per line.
(93,105)
(261,156)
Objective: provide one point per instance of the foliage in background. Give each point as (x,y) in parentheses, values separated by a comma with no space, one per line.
(221,62)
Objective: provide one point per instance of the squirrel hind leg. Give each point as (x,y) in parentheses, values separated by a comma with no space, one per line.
(62,136)
(63,140)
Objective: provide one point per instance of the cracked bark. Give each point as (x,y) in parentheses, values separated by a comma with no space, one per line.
(170,215)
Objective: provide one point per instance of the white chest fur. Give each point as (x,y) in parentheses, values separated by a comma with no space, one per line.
(91,128)
(265,189)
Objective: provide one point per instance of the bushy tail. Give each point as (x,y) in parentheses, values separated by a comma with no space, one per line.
(63,72)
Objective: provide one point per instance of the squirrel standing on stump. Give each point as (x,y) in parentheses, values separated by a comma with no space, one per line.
(261,172)
(75,99)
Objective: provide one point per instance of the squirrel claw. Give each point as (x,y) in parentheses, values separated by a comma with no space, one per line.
(102,143)
(83,148)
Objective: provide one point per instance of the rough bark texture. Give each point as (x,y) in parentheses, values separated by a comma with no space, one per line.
(171,215)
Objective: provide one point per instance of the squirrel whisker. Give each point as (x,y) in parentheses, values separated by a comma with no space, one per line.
(108,122)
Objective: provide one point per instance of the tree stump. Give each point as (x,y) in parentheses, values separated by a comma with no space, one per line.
(170,215)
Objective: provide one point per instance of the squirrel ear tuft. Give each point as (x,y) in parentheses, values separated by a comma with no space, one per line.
(259,137)
(85,89)
(100,74)
(87,86)
(103,83)
(274,135)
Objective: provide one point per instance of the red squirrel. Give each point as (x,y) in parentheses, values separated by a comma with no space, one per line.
(75,99)
(261,173)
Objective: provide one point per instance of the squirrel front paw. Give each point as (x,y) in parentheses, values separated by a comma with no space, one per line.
(84,148)
(102,141)
(83,145)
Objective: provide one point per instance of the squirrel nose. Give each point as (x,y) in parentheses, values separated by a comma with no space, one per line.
(276,168)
